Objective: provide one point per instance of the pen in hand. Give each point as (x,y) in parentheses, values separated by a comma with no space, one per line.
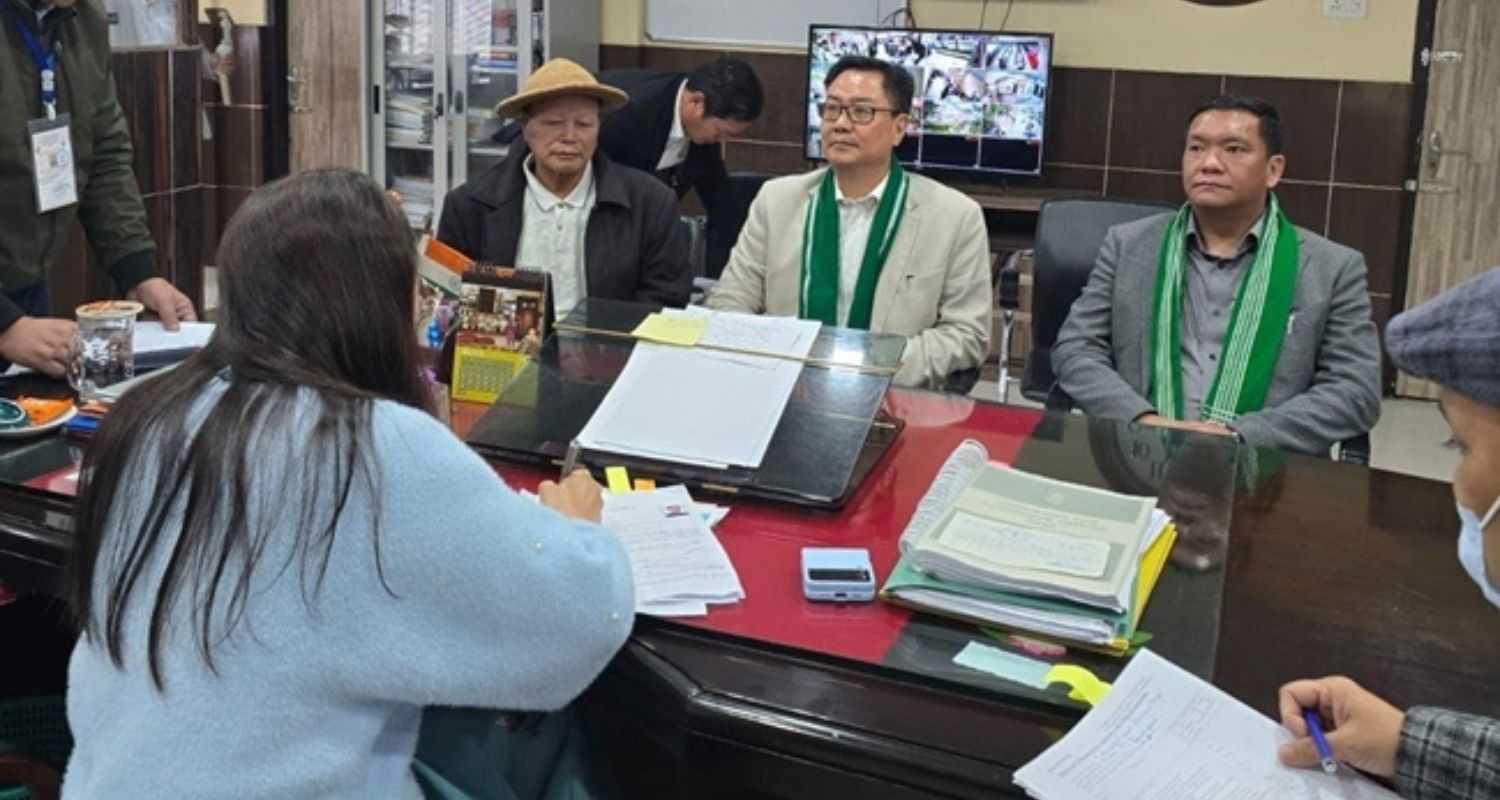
(1315,730)
(570,461)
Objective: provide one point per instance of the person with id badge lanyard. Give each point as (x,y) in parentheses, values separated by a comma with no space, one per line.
(72,161)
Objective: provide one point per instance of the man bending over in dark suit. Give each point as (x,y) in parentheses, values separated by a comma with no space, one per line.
(675,121)
(1223,317)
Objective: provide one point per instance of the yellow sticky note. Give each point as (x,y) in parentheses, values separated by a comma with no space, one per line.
(618,479)
(645,485)
(1084,686)
(678,329)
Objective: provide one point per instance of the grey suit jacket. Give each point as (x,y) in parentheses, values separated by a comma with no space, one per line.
(1327,382)
(934,290)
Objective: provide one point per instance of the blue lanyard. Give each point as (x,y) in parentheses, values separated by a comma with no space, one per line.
(45,59)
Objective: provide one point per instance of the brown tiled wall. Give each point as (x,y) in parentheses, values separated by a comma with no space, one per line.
(1119,133)
(162,97)
(190,184)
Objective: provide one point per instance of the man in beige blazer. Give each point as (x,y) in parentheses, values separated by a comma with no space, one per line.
(865,244)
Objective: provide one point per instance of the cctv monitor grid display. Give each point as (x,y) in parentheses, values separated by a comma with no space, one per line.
(980,102)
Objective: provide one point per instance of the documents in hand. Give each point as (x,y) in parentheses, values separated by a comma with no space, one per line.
(678,564)
(713,405)
(153,337)
(1000,546)
(1163,734)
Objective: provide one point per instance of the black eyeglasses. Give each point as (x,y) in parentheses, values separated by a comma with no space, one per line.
(859,115)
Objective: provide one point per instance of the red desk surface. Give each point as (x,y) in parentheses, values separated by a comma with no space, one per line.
(765,540)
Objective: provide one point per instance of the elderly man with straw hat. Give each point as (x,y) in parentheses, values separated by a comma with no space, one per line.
(558,204)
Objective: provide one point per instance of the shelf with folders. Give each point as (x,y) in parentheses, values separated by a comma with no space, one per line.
(440,67)
(410,71)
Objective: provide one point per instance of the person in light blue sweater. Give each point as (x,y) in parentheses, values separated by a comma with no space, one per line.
(282,558)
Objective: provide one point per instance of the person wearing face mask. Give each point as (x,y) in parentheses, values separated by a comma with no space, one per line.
(66,160)
(558,204)
(1433,754)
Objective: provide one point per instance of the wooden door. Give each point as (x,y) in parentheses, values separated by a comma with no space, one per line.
(1454,235)
(325,54)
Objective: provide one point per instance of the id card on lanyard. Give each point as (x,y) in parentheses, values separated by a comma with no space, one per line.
(50,137)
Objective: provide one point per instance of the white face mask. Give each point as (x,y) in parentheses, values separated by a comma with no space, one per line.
(1471,548)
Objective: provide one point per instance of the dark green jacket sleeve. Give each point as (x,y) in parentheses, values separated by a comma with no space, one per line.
(110,205)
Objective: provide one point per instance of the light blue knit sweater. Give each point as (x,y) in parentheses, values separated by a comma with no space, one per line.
(494,601)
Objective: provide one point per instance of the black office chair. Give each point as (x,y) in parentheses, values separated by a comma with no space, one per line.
(694,228)
(1069,233)
(723,233)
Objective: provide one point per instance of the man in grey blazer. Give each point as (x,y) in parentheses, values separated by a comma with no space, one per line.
(863,244)
(1223,317)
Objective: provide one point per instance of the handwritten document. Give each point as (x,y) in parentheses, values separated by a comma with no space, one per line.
(678,564)
(1164,734)
(1023,547)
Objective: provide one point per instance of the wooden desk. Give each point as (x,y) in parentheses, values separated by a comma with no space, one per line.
(1320,568)
(1305,568)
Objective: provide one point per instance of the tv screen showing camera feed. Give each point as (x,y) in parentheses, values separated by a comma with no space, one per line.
(980,102)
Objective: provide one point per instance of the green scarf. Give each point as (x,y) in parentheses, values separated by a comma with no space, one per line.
(820,252)
(1256,327)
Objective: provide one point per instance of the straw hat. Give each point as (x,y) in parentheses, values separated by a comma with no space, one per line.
(557,78)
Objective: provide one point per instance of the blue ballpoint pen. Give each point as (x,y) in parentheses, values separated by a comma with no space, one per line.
(1315,730)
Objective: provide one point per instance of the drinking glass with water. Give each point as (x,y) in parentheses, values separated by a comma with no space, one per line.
(104,347)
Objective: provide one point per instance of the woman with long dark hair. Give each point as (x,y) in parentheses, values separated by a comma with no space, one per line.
(281,557)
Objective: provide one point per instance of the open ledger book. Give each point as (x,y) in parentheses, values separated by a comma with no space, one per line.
(1000,546)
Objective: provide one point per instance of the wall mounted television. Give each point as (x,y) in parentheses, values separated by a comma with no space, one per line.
(981,98)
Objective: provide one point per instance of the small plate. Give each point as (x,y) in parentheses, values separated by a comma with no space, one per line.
(33,430)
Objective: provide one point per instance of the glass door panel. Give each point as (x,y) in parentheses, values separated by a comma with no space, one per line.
(486,55)
(412,97)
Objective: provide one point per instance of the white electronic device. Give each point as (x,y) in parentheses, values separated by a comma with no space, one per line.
(837,574)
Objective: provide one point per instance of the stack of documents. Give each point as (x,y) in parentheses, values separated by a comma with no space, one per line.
(408,119)
(416,199)
(1162,734)
(711,399)
(999,546)
(680,568)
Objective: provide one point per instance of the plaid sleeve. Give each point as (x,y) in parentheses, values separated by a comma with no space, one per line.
(1447,755)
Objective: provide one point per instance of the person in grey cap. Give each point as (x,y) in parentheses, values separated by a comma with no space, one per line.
(1453,340)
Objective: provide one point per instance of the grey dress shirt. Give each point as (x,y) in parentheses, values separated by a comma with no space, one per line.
(1210,285)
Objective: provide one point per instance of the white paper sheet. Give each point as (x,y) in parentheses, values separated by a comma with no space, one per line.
(1164,734)
(693,406)
(678,564)
(151,337)
(726,405)
(786,336)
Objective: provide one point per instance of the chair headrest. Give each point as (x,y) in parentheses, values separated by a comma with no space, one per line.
(1068,237)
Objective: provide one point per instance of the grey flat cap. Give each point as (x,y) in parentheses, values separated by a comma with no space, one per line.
(1454,339)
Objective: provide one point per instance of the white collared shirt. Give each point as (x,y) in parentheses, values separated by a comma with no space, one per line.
(677,141)
(855,218)
(552,235)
